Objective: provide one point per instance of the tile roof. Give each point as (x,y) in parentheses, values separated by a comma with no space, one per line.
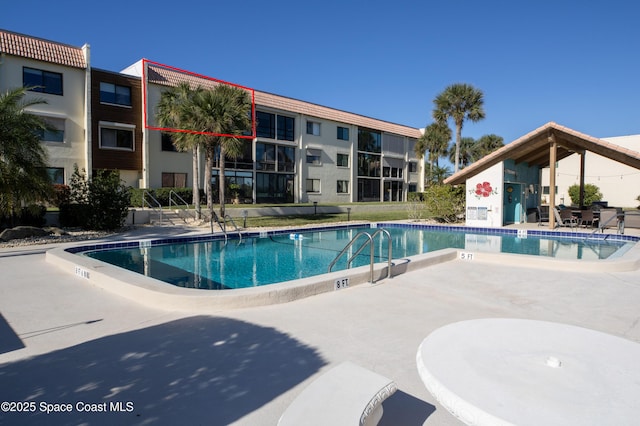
(41,50)
(170,77)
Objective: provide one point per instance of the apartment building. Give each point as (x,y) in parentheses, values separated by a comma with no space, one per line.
(58,75)
(302,152)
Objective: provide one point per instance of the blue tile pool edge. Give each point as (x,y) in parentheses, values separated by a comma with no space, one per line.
(265,234)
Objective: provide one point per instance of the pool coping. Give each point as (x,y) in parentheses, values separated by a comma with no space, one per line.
(152,292)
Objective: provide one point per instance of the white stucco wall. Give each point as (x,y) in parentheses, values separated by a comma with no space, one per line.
(155,160)
(69,107)
(619,184)
(328,170)
(484,197)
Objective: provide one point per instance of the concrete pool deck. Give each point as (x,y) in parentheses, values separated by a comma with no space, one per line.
(65,341)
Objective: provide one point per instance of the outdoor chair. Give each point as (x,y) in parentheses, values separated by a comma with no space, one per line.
(588,218)
(543,214)
(566,218)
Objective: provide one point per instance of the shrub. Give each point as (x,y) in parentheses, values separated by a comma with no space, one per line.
(61,195)
(445,202)
(591,193)
(31,215)
(109,201)
(101,203)
(162,195)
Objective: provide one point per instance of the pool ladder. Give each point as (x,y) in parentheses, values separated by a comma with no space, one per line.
(368,241)
(222,223)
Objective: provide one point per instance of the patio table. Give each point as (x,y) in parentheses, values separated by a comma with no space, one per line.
(526,372)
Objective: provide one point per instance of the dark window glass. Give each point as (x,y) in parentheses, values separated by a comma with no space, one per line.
(313,185)
(116,138)
(115,94)
(368,189)
(343,133)
(369,165)
(42,81)
(285,128)
(286,159)
(266,125)
(56,174)
(274,188)
(369,140)
(167,142)
(343,160)
(265,156)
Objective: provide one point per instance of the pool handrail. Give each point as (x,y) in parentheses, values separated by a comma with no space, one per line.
(172,194)
(145,194)
(370,240)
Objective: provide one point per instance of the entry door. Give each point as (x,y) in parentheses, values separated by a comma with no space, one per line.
(512,203)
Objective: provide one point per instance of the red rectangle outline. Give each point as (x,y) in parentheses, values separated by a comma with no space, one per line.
(194,132)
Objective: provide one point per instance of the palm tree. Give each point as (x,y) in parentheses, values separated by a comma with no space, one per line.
(467,153)
(488,143)
(435,139)
(225,112)
(438,175)
(176,110)
(459,102)
(23,159)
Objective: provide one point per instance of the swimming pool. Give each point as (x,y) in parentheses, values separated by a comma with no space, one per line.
(274,257)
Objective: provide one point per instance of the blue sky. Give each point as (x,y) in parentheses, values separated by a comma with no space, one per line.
(575,64)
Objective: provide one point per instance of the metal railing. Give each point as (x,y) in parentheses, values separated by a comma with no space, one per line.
(157,208)
(619,217)
(172,194)
(370,240)
(222,223)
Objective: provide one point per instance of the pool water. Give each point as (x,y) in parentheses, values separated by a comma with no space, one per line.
(274,258)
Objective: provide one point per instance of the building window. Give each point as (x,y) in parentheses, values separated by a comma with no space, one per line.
(54,131)
(42,81)
(369,141)
(343,133)
(342,160)
(286,159)
(285,128)
(266,125)
(274,187)
(369,165)
(313,128)
(265,156)
(368,189)
(174,180)
(115,94)
(413,167)
(313,185)
(343,187)
(167,142)
(314,156)
(56,174)
(394,172)
(117,136)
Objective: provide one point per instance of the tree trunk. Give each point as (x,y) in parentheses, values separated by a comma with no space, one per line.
(221,181)
(458,139)
(196,184)
(207,173)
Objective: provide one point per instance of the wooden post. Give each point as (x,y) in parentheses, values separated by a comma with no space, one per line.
(582,162)
(553,147)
